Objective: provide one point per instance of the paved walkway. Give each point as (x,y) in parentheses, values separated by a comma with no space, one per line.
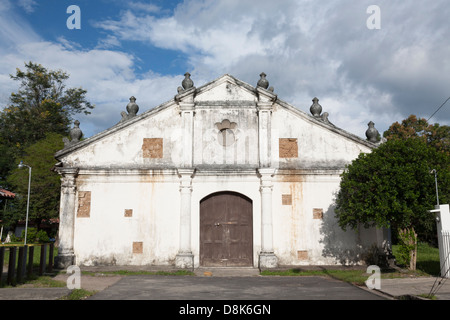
(416,287)
(225,283)
(232,288)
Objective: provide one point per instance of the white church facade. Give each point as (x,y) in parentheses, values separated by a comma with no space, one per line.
(225,174)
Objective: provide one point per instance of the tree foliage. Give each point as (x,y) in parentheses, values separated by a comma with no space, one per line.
(42,104)
(393,187)
(434,135)
(45,183)
(32,127)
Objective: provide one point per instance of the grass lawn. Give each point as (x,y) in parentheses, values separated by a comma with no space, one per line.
(428,259)
(427,265)
(36,255)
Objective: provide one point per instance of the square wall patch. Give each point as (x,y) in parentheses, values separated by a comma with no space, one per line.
(84,204)
(152,148)
(128,213)
(288,148)
(138,247)
(286,199)
(317,213)
(302,255)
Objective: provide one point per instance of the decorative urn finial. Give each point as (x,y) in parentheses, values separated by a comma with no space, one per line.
(263,82)
(316,108)
(132,107)
(372,133)
(187,83)
(75,132)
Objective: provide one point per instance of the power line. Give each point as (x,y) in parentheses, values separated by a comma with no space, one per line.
(438,109)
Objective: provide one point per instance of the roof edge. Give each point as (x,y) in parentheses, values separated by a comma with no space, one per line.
(256,90)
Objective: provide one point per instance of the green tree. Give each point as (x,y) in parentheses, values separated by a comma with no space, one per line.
(45,183)
(434,135)
(42,104)
(393,187)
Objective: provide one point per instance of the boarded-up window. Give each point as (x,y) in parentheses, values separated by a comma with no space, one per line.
(286,199)
(317,213)
(288,148)
(84,204)
(138,247)
(152,148)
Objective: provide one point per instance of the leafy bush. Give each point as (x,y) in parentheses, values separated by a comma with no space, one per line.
(33,235)
(407,250)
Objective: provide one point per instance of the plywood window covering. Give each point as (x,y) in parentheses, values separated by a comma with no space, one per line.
(84,204)
(152,148)
(288,148)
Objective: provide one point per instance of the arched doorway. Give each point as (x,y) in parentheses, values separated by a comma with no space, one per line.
(226,230)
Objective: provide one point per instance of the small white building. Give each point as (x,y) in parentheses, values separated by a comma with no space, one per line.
(226,174)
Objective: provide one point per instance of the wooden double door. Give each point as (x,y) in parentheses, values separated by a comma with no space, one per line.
(226,230)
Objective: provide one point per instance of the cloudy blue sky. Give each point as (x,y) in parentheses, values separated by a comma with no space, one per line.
(307,48)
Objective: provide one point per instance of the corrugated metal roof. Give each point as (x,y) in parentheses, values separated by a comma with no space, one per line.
(6,194)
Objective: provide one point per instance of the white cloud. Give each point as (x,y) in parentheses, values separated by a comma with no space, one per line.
(14,29)
(108,43)
(27,5)
(307,49)
(144,7)
(108,77)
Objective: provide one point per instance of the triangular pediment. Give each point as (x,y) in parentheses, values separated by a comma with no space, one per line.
(225,98)
(226,90)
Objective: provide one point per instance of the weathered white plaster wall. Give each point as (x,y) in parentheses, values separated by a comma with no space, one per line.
(297,230)
(112,167)
(208,150)
(107,236)
(318,146)
(123,148)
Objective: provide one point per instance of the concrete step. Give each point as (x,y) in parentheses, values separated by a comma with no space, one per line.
(226,272)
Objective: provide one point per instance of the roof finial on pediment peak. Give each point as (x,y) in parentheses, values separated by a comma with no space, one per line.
(186,84)
(75,135)
(316,108)
(132,109)
(372,133)
(263,82)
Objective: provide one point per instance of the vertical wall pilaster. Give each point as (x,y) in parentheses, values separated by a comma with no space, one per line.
(187,115)
(66,256)
(185,258)
(266,99)
(267,257)
(264,133)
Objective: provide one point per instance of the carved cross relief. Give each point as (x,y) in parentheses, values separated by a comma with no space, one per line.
(226,135)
